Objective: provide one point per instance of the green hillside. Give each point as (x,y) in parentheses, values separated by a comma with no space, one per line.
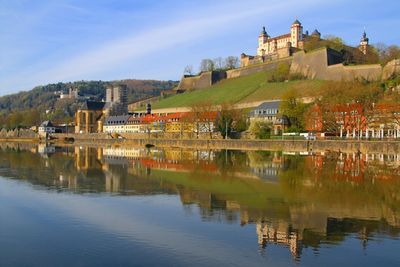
(240,90)
(28,108)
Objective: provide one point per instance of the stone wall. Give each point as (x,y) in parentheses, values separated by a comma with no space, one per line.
(235,73)
(348,146)
(322,64)
(196,82)
(391,69)
(18,133)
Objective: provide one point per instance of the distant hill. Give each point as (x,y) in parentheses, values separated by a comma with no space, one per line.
(45,97)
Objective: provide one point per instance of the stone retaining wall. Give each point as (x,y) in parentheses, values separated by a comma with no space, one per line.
(389,147)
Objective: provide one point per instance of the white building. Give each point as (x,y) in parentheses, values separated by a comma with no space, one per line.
(46,127)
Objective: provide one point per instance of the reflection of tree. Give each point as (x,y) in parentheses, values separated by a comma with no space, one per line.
(317,199)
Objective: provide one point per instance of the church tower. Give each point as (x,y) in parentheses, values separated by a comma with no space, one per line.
(296,33)
(364,43)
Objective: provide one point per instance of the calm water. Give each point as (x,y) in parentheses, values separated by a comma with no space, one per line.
(80,206)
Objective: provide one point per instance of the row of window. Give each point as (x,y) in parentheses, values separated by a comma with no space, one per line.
(265,111)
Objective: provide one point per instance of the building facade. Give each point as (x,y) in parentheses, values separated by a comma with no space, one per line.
(47,127)
(269,112)
(90,117)
(117,97)
(268,45)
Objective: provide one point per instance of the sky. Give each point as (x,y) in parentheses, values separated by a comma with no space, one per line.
(49,41)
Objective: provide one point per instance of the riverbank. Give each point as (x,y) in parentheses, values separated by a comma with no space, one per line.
(363,146)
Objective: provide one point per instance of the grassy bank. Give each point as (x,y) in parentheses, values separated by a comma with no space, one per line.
(241,90)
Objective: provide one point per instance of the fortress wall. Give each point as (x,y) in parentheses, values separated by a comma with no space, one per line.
(312,65)
(368,72)
(392,68)
(196,82)
(230,74)
(318,65)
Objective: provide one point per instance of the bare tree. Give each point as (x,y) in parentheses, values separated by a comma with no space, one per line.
(219,63)
(188,70)
(201,116)
(231,62)
(207,65)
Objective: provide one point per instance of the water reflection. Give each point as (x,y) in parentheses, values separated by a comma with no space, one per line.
(294,200)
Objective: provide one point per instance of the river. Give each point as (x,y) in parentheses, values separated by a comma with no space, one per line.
(126,206)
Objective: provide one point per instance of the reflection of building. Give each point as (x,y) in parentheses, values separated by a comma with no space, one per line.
(279,234)
(268,166)
(124,152)
(45,149)
(88,158)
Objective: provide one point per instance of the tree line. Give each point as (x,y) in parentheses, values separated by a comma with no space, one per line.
(217,64)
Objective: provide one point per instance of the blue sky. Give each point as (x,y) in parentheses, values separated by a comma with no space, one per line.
(46,41)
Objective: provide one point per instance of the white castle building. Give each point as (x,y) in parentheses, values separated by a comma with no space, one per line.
(268,45)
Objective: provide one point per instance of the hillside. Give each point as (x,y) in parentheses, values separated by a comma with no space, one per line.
(44,97)
(254,87)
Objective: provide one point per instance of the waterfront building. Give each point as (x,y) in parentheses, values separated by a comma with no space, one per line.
(269,112)
(47,127)
(351,121)
(90,116)
(116,124)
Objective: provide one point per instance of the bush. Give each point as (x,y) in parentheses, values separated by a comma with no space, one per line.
(261,130)
(280,74)
(297,77)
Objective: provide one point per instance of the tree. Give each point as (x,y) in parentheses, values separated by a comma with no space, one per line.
(201,117)
(261,129)
(231,62)
(280,74)
(335,42)
(188,70)
(293,107)
(229,120)
(207,65)
(219,63)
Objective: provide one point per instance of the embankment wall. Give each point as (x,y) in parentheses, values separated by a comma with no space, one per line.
(389,147)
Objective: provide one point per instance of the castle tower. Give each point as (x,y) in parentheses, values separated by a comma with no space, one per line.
(296,33)
(364,43)
(262,40)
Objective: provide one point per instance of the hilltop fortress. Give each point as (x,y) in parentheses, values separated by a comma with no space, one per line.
(321,64)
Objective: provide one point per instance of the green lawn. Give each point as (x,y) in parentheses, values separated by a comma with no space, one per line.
(239,90)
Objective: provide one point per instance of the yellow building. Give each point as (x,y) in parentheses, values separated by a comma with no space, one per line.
(90,117)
